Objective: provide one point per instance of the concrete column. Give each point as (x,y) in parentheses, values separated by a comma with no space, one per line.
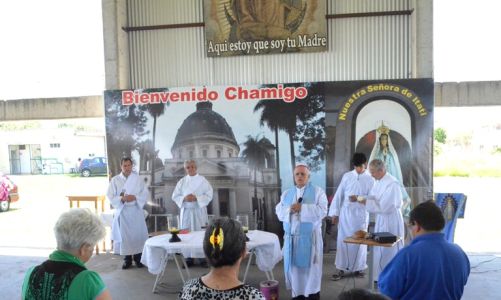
(233,204)
(116,44)
(215,203)
(422,39)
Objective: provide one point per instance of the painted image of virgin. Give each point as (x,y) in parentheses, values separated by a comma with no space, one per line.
(383,149)
(383,130)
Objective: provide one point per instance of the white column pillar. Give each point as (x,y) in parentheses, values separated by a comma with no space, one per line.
(215,203)
(422,39)
(233,204)
(116,44)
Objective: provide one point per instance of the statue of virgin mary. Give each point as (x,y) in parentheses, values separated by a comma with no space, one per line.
(384,150)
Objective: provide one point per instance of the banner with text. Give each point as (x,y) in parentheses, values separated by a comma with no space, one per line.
(250,27)
(246,140)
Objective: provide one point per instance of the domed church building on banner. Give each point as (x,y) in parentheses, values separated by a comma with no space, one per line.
(207,138)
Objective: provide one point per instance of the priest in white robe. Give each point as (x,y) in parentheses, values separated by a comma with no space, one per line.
(385,201)
(301,210)
(351,216)
(192,195)
(128,194)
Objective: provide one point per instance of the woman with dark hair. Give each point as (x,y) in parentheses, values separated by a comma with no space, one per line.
(224,248)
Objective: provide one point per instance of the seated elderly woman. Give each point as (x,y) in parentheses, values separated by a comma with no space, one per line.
(224,248)
(63,275)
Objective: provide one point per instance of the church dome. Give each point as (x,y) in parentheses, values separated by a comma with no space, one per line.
(204,125)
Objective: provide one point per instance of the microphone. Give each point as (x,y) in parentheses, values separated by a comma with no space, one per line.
(300,200)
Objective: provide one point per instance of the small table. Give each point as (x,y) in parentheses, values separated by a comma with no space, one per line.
(369,243)
(96,200)
(265,246)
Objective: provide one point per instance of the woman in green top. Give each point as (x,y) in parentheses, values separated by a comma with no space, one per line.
(63,275)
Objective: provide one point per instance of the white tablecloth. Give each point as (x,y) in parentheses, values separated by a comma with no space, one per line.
(265,245)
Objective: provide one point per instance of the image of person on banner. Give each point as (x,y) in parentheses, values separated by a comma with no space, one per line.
(384,151)
(301,210)
(351,216)
(261,20)
(128,195)
(452,207)
(192,195)
(385,201)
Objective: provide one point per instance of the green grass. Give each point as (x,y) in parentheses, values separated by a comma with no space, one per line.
(465,164)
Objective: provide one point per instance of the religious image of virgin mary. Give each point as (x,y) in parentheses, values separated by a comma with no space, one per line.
(384,150)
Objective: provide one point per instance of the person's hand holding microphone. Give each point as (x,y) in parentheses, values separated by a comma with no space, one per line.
(296,207)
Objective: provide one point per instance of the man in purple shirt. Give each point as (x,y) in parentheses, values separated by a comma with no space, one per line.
(430,267)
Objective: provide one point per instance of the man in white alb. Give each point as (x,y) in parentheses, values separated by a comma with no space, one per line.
(385,200)
(192,195)
(301,210)
(351,217)
(128,195)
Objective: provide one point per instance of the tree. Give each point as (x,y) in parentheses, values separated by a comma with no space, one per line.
(271,115)
(440,135)
(255,155)
(302,120)
(310,127)
(155,111)
(125,127)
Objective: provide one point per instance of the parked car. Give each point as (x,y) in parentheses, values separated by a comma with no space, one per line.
(8,192)
(93,166)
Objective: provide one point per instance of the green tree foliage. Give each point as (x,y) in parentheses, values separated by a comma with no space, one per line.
(440,135)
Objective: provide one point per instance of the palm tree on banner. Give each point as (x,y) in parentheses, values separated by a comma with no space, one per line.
(255,155)
(282,116)
(302,120)
(271,116)
(155,110)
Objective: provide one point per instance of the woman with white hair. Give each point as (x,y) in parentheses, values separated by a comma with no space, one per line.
(64,275)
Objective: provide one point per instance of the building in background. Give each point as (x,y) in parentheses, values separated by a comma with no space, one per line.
(48,147)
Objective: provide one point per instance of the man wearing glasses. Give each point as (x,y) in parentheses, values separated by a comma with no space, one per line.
(430,267)
(301,210)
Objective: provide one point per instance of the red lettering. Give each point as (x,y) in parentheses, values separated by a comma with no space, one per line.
(228,93)
(144,98)
(127,98)
(174,97)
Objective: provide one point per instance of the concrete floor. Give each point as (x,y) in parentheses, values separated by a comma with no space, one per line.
(27,238)
(484,281)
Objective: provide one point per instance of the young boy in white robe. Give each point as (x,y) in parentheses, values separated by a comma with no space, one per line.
(351,217)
